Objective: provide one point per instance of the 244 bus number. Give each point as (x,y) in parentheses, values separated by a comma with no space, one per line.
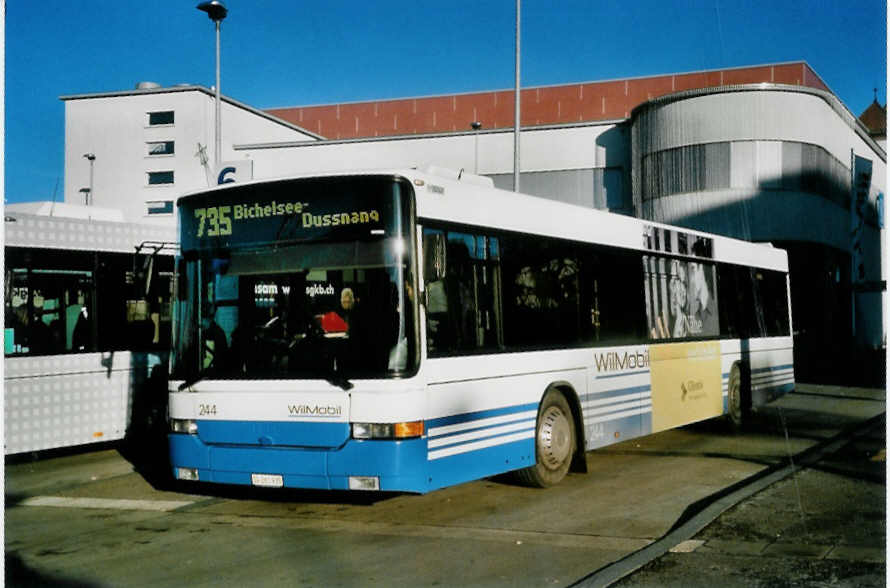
(214,221)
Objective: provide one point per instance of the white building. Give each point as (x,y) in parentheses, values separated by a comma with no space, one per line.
(765,153)
(151,144)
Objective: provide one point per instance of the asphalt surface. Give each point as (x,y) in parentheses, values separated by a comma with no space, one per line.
(798,500)
(822,525)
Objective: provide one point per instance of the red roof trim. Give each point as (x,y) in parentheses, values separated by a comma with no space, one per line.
(545,105)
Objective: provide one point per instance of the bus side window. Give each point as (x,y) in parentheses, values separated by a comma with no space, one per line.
(450,304)
(462,282)
(434,268)
(45,311)
(543,294)
(614,303)
(735,303)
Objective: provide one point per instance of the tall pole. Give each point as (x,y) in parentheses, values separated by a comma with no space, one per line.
(476,125)
(217,11)
(516,109)
(217,151)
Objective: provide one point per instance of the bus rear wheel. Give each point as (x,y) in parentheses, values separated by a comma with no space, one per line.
(739,401)
(554,442)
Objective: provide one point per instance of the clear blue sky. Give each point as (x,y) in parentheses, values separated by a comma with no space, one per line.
(301,52)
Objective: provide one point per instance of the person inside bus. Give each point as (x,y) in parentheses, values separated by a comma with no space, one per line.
(38,338)
(347,304)
(215,347)
(703,305)
(18,320)
(353,314)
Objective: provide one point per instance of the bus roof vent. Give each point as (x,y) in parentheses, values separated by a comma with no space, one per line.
(460,175)
(147,86)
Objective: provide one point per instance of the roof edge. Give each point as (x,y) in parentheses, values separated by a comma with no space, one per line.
(833,101)
(547,86)
(408,137)
(193,88)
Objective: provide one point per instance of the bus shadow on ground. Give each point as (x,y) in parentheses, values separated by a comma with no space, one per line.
(776,421)
(146,450)
(284,495)
(18,574)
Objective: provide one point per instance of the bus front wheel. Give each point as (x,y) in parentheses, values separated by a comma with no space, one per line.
(554,442)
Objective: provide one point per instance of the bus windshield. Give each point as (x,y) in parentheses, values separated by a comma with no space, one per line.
(297,279)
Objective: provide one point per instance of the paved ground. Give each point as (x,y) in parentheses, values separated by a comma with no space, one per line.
(823,526)
(94,520)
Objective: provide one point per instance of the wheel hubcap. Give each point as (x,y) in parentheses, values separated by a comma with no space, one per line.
(554,438)
(735,400)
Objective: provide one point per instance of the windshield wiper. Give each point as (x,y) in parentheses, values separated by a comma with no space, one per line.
(188,383)
(333,377)
(339,381)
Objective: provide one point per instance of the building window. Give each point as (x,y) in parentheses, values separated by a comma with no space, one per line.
(159,207)
(161,148)
(157,178)
(163,117)
(762,165)
(682,170)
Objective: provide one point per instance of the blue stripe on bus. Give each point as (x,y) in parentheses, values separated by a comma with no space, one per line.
(773,368)
(479,429)
(472,436)
(481,463)
(615,392)
(603,413)
(765,369)
(479,415)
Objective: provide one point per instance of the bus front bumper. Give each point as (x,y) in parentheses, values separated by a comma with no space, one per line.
(358,464)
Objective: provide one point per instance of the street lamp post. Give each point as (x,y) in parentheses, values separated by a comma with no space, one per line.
(217,12)
(516,111)
(88,196)
(476,125)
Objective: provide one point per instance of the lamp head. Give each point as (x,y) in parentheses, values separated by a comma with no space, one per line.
(215,9)
(90,156)
(476,125)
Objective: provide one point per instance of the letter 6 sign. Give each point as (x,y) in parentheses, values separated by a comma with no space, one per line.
(229,172)
(226,175)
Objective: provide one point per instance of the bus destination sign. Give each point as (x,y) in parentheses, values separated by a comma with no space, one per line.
(287,211)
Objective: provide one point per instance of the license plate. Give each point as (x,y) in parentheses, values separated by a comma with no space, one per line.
(267,480)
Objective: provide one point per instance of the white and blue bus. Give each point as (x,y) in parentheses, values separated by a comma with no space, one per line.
(410,330)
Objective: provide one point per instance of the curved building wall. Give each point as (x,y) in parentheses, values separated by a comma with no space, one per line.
(695,156)
(773,163)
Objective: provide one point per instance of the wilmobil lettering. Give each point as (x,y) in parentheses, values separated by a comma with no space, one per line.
(317,410)
(613,361)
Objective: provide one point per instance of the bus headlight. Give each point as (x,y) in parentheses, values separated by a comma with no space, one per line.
(387,430)
(186,426)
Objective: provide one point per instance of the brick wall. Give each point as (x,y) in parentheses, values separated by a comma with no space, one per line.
(570,103)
